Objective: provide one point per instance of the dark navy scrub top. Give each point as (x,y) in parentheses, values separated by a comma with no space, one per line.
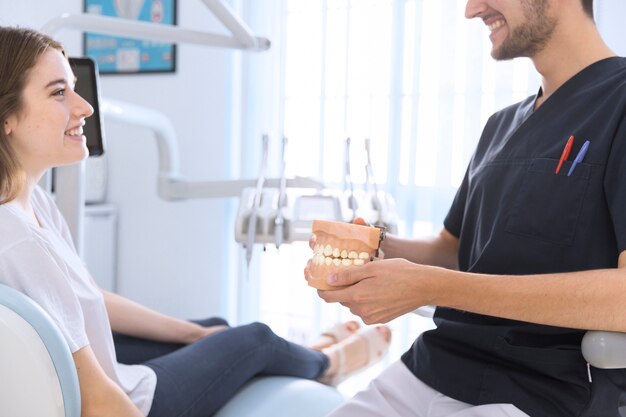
(513,215)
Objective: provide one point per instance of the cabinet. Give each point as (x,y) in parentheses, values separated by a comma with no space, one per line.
(100,244)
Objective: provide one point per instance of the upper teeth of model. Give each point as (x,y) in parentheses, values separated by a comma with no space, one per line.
(495,25)
(327,255)
(75,132)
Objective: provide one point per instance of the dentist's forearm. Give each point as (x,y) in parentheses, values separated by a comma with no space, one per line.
(589,300)
(440,250)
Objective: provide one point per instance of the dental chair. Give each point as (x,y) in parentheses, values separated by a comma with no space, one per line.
(282,396)
(36,368)
(38,376)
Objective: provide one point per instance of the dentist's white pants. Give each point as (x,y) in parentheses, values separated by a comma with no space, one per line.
(396,392)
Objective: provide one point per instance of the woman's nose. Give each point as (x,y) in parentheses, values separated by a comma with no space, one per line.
(83,108)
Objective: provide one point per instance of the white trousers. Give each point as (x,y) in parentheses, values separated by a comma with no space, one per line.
(396,392)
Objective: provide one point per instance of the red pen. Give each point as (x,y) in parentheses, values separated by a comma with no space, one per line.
(565,154)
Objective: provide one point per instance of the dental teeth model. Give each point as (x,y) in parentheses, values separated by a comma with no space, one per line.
(338,246)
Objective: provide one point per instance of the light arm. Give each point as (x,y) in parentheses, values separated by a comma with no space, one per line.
(242,38)
(171,184)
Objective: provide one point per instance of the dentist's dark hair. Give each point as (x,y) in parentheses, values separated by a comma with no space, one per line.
(20,49)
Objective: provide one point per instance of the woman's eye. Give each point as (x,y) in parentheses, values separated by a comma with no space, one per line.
(60,92)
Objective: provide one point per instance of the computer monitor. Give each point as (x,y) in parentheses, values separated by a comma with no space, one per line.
(87,86)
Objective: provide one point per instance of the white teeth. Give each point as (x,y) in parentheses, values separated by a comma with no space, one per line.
(495,25)
(327,255)
(319,259)
(75,132)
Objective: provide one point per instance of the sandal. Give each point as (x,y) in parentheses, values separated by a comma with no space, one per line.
(341,331)
(376,343)
(335,334)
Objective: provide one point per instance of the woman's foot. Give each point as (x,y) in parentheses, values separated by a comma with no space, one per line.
(337,333)
(356,353)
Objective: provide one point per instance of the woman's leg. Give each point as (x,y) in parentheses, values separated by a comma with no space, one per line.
(196,380)
(132,350)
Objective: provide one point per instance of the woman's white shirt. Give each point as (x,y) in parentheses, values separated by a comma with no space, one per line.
(40,260)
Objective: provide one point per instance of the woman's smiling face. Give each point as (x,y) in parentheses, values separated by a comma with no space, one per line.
(47,130)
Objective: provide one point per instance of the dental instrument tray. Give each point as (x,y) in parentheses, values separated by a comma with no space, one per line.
(283,215)
(302,206)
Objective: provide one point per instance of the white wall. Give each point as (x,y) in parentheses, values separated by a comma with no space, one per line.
(610,15)
(173,256)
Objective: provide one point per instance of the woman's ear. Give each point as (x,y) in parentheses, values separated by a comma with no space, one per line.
(7,127)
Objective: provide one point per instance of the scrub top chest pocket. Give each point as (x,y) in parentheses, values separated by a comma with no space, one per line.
(548,205)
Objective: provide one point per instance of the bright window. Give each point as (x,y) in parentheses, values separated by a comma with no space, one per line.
(413,76)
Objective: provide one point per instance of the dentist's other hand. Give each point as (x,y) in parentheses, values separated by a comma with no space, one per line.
(379,253)
(380,291)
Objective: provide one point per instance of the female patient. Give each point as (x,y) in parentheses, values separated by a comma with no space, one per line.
(176,367)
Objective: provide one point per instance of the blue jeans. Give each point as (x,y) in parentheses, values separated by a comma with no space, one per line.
(196,380)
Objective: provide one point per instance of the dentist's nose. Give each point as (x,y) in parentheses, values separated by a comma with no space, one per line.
(474,8)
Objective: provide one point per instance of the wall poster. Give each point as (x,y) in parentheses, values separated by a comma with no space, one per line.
(119,55)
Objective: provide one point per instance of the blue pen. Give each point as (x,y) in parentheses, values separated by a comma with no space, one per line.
(579,157)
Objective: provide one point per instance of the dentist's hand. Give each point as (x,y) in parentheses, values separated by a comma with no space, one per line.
(379,253)
(380,291)
(313,237)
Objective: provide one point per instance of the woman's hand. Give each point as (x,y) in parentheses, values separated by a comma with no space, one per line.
(203,332)
(133,319)
(380,291)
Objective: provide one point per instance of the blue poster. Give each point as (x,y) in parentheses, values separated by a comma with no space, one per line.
(127,55)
